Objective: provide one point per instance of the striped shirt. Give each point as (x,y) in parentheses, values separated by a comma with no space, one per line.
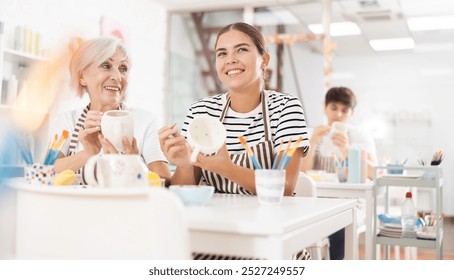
(286,118)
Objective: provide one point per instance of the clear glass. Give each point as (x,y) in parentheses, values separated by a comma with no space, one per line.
(270,185)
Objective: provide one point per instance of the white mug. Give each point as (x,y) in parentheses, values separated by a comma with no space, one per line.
(327,147)
(116,171)
(115,125)
(205,135)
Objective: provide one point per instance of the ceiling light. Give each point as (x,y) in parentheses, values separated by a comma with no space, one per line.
(431,23)
(392,44)
(434,47)
(337,28)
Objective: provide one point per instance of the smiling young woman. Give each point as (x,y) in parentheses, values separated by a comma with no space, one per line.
(264,118)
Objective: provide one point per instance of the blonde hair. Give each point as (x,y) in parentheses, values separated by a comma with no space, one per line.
(96,51)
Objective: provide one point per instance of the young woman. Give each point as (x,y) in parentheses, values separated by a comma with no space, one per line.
(264,118)
(100,68)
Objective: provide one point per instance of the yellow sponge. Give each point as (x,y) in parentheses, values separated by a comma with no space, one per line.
(154,180)
(66,177)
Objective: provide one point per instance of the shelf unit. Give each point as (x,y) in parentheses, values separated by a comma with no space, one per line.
(424,177)
(17,63)
(18,60)
(15,60)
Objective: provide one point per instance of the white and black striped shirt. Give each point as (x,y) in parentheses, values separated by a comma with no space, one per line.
(286,118)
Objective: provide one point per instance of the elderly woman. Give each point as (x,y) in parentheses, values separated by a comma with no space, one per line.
(100,68)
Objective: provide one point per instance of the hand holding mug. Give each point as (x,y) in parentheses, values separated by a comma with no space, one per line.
(88,136)
(115,125)
(340,140)
(214,163)
(129,147)
(338,133)
(205,135)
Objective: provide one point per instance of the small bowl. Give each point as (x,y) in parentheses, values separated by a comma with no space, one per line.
(395,171)
(193,195)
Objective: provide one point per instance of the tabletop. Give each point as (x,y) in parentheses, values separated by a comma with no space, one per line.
(238,225)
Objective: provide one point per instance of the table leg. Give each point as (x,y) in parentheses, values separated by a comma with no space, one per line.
(369,237)
(351,238)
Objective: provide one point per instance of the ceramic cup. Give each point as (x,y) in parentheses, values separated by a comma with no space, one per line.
(327,147)
(115,125)
(205,135)
(270,185)
(40,174)
(116,171)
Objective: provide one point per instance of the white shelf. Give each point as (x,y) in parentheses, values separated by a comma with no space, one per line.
(21,57)
(429,177)
(417,182)
(411,242)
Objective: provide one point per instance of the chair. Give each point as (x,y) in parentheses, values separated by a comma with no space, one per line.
(305,186)
(100,224)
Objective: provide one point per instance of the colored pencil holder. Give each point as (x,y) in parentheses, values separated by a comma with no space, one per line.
(40,174)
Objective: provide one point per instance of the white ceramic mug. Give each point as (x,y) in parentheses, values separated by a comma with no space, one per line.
(327,147)
(115,125)
(205,135)
(116,171)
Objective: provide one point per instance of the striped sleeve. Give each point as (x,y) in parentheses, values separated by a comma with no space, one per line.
(287,119)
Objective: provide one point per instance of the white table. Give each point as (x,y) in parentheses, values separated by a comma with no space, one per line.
(349,190)
(73,222)
(238,225)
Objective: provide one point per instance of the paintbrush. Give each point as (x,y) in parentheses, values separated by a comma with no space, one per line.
(291,152)
(278,154)
(58,146)
(250,153)
(284,156)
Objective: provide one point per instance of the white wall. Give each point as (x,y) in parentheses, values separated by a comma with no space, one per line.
(58,20)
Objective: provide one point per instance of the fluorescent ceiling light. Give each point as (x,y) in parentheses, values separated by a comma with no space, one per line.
(434,47)
(431,23)
(337,28)
(392,44)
